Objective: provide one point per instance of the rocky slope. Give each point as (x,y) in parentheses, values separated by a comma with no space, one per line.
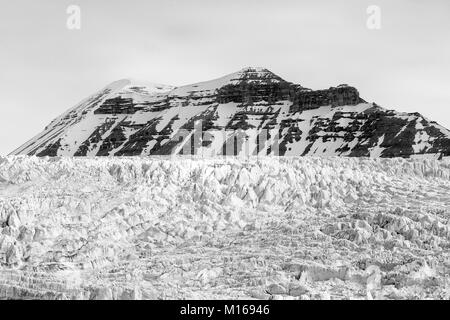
(250,112)
(224,227)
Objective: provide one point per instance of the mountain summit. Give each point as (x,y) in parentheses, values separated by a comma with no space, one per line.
(129,117)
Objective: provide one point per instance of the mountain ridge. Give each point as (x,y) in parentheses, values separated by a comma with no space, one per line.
(258,110)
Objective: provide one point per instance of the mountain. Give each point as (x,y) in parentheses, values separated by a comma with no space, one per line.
(252,111)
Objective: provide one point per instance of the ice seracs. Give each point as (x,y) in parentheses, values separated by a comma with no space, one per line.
(224,228)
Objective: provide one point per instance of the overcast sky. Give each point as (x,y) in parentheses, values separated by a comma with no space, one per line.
(45,68)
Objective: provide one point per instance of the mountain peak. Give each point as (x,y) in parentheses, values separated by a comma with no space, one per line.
(254,73)
(255,70)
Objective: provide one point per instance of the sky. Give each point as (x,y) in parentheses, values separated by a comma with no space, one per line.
(46,68)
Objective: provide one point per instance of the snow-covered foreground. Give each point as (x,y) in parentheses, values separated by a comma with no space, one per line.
(281,228)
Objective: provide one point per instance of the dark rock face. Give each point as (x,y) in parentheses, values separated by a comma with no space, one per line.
(117,105)
(341,96)
(51,149)
(251,112)
(254,92)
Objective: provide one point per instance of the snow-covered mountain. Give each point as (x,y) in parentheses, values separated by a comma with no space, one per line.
(253,109)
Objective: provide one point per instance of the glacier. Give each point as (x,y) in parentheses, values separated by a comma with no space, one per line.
(189,227)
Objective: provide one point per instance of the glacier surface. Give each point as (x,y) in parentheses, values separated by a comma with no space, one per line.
(224,227)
